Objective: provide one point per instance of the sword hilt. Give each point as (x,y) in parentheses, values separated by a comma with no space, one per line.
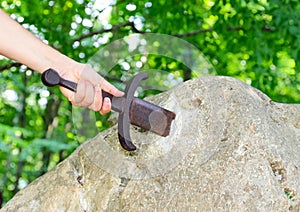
(120,104)
(51,78)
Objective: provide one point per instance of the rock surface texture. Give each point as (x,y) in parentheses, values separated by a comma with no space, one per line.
(230,149)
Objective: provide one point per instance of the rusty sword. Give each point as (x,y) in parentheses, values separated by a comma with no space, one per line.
(132,110)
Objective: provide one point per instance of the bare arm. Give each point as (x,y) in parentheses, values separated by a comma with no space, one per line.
(19,44)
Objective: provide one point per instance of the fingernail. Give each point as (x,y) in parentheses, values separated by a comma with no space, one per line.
(120,93)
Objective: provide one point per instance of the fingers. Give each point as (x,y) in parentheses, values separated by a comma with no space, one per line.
(106,106)
(88,96)
(97,104)
(106,86)
(89,91)
(91,75)
(84,97)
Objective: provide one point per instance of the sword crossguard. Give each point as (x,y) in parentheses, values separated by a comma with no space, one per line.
(124,118)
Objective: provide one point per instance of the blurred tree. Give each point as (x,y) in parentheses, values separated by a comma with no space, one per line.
(256,41)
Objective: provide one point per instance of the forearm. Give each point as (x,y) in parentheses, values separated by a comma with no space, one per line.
(18,44)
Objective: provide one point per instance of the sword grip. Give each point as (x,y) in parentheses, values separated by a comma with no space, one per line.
(51,78)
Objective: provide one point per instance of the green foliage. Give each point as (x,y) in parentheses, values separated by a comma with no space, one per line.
(255,41)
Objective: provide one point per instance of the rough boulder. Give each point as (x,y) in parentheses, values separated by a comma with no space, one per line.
(231,148)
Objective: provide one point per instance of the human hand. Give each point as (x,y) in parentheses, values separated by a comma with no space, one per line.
(89,89)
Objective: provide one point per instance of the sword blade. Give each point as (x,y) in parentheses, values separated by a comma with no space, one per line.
(151,117)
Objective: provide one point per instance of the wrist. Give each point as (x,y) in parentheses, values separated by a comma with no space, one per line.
(65,65)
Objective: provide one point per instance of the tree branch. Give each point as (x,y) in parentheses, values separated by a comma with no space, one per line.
(229,28)
(112,29)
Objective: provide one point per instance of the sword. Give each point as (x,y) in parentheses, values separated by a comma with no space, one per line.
(132,110)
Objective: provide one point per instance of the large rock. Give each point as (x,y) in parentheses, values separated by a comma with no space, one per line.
(231,149)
